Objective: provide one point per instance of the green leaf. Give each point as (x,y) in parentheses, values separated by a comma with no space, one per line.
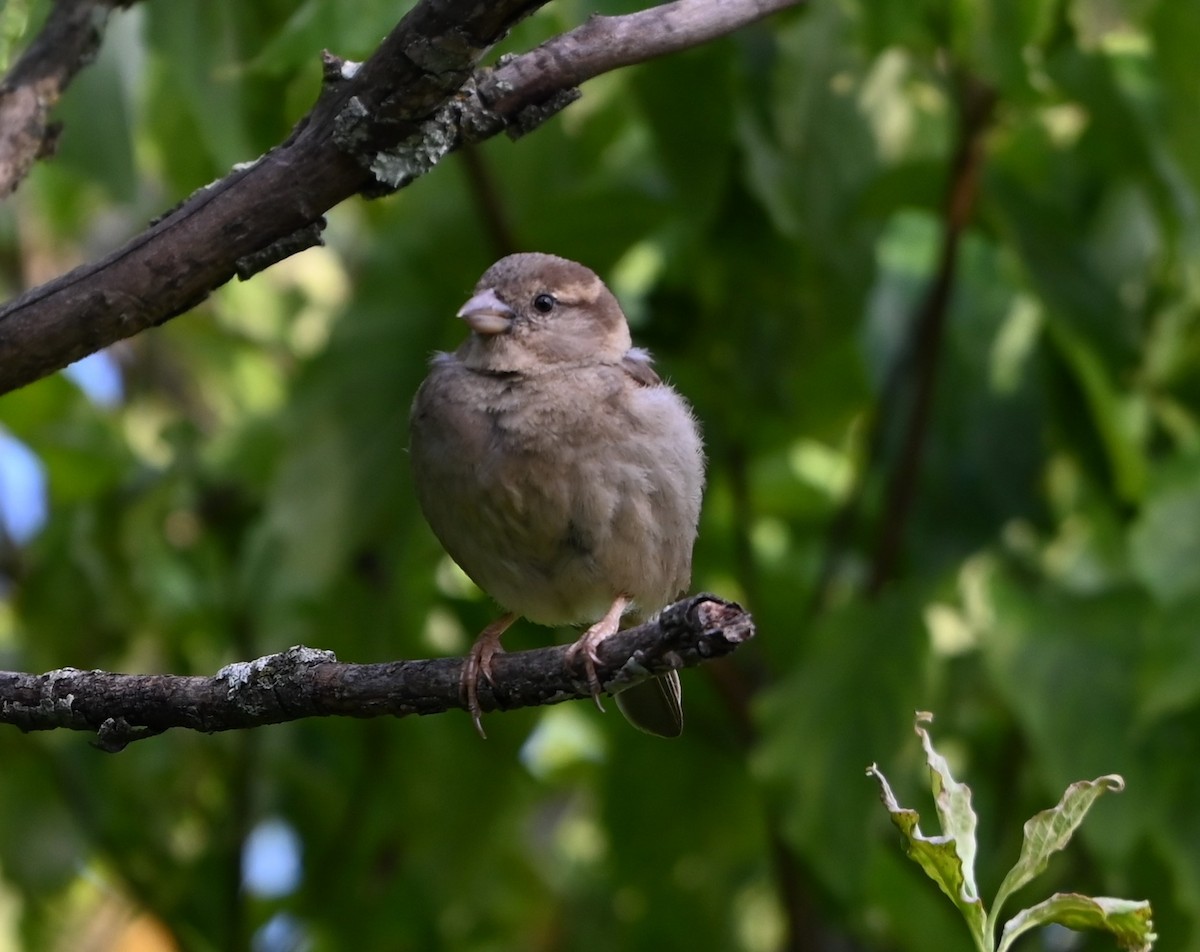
(1169,677)
(1127,920)
(805,758)
(686,127)
(953,802)
(1117,417)
(947,859)
(1051,830)
(1049,652)
(1164,545)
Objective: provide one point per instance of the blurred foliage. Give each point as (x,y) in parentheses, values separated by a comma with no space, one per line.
(771,209)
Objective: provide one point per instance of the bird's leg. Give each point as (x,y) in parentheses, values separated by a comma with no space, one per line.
(479,662)
(590,640)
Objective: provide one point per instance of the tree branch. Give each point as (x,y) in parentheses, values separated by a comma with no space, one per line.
(305,682)
(905,406)
(603,44)
(377,127)
(976,103)
(66,43)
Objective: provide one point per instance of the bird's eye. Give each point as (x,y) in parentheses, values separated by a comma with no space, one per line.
(544,303)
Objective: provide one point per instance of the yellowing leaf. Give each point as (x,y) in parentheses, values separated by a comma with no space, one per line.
(1049,831)
(1128,921)
(939,856)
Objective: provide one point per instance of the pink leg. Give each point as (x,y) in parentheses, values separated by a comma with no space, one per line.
(479,662)
(590,640)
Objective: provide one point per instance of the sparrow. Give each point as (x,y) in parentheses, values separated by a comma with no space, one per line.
(558,470)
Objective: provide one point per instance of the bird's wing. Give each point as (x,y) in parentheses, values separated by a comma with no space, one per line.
(637,363)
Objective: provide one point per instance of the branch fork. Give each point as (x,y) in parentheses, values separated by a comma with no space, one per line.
(377,126)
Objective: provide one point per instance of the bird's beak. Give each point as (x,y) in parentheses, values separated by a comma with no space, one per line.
(486,314)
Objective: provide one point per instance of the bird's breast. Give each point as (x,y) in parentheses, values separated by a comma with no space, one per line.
(553,499)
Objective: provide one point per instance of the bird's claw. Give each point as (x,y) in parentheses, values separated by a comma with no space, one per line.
(476,664)
(479,662)
(590,640)
(587,647)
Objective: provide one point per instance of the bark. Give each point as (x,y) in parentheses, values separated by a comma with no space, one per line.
(66,43)
(377,127)
(306,682)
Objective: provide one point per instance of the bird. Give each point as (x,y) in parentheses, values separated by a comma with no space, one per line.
(558,470)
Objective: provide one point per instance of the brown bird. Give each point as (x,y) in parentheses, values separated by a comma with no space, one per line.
(557,469)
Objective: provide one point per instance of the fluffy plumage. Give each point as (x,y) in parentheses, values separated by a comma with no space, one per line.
(554,465)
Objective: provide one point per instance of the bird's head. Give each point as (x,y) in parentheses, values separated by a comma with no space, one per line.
(532,311)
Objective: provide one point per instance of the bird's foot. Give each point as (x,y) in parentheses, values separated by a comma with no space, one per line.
(586,646)
(479,663)
(590,640)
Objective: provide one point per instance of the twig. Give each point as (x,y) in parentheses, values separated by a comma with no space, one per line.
(377,127)
(305,682)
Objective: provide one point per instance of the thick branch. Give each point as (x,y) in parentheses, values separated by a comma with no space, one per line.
(304,682)
(66,43)
(200,245)
(376,128)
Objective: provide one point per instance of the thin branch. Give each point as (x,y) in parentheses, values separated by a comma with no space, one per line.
(66,43)
(489,203)
(906,401)
(976,104)
(377,127)
(603,44)
(305,682)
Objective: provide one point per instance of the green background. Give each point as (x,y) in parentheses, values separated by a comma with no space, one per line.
(770,209)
